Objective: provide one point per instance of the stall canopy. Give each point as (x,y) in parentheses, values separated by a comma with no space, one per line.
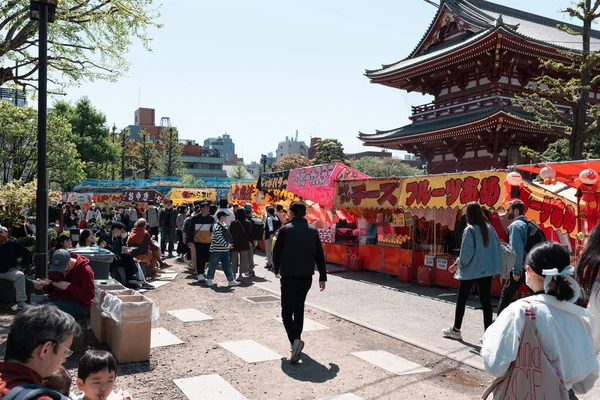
(566,172)
(317,183)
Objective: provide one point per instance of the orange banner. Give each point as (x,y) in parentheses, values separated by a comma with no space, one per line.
(243,192)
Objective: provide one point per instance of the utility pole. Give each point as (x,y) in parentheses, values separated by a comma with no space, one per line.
(44,11)
(263,160)
(123,149)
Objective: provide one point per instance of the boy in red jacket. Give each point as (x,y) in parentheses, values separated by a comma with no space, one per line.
(71,285)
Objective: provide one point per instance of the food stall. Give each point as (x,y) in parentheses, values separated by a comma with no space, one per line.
(317,186)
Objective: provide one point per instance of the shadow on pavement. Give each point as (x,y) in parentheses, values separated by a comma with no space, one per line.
(309,370)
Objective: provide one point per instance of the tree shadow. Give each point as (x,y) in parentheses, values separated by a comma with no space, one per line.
(309,370)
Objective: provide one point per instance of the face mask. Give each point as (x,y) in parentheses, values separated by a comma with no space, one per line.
(527,279)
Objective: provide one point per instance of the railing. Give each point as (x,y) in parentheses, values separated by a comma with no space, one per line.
(470,102)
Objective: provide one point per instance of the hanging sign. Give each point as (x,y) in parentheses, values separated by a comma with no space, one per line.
(429,260)
(549,209)
(454,191)
(325,235)
(242,192)
(369,193)
(442,263)
(142,196)
(180,196)
(273,181)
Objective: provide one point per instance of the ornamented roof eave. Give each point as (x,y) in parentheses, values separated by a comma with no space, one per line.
(478,119)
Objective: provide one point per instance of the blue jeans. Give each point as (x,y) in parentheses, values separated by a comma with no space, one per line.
(225,258)
(77,311)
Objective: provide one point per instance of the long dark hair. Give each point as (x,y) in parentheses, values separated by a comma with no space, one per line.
(549,255)
(589,262)
(86,233)
(475,216)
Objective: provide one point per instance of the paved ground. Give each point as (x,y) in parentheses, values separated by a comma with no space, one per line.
(225,346)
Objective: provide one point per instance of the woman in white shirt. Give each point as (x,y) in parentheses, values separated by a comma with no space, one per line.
(563,329)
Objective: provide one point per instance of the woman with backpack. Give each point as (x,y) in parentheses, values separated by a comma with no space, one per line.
(478,263)
(545,332)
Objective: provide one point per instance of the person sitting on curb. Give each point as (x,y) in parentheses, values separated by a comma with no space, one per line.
(147,251)
(37,345)
(71,285)
(10,251)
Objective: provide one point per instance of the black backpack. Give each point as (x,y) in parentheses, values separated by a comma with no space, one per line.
(534,236)
(30,392)
(257,229)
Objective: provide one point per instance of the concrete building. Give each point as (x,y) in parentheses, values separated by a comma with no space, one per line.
(198,161)
(291,145)
(224,145)
(8,94)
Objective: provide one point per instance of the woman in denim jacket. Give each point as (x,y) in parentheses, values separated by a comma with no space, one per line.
(478,263)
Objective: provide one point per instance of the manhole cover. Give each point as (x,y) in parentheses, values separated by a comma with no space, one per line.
(262,299)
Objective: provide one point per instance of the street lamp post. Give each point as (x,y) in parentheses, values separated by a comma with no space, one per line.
(43,11)
(263,160)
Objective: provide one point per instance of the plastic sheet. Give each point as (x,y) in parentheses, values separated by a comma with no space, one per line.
(134,309)
(100,293)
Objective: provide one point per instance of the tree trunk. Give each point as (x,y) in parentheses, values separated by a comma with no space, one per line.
(580,111)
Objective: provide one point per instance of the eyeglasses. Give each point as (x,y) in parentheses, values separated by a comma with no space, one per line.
(68,352)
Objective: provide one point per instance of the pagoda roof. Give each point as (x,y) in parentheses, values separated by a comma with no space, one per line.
(439,124)
(484,17)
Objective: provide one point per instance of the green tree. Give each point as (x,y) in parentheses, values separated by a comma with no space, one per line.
(91,135)
(188,181)
(89,41)
(329,151)
(239,172)
(145,155)
(291,161)
(569,83)
(172,150)
(378,167)
(125,152)
(559,150)
(18,147)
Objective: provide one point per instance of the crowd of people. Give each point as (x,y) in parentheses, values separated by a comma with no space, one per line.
(567,333)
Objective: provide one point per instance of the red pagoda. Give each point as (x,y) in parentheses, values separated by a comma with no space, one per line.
(475,57)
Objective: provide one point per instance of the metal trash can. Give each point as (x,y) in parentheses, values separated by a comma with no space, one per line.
(100,260)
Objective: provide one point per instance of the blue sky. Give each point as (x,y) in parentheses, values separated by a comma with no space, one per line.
(262,70)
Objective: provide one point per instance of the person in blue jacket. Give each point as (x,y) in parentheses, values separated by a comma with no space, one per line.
(478,263)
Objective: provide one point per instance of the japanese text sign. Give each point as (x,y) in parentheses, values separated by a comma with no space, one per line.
(317,183)
(142,196)
(180,196)
(273,181)
(325,235)
(549,209)
(369,193)
(242,192)
(454,191)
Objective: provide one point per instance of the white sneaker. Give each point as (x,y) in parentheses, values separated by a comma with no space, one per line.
(209,282)
(201,278)
(234,283)
(450,333)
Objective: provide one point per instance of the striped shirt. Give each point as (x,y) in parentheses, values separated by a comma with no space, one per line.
(218,242)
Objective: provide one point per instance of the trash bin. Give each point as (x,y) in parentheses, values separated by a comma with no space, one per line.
(100,260)
(97,321)
(129,326)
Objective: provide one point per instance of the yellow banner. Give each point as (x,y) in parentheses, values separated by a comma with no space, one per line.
(180,196)
(454,190)
(549,209)
(369,193)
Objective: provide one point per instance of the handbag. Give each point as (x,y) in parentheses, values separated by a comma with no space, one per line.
(508,257)
(531,375)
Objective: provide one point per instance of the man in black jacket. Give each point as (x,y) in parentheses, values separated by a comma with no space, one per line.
(167,223)
(10,251)
(297,250)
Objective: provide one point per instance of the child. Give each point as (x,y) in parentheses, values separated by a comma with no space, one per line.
(96,376)
(59,381)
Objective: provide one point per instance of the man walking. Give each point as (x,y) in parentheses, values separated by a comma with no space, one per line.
(132,213)
(199,236)
(168,223)
(518,232)
(297,250)
(10,251)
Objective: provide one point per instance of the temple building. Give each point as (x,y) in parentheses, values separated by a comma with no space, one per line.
(474,59)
